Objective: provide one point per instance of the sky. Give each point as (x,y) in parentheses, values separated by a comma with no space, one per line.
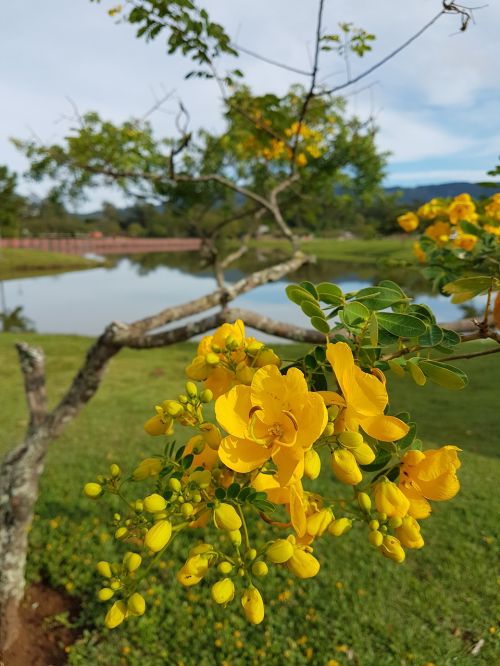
(437,104)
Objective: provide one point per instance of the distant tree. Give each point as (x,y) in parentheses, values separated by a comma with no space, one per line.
(11,204)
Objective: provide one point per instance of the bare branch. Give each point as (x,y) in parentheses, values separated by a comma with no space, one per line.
(457,357)
(32,361)
(273,327)
(270,61)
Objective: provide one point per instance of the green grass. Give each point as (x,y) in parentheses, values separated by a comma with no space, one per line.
(361,609)
(349,251)
(18,263)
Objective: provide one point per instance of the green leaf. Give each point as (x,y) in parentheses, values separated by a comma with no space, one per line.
(469,285)
(233,490)
(220,493)
(320,354)
(329,293)
(380,461)
(416,372)
(432,337)
(187,461)
(264,505)
(312,310)
(320,325)
(403,416)
(401,325)
(423,312)
(355,313)
(378,298)
(443,374)
(245,493)
(308,286)
(296,294)
(389,284)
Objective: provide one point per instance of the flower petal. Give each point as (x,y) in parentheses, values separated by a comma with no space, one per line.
(232,411)
(242,455)
(385,428)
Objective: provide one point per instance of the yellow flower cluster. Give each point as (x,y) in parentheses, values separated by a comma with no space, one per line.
(254,460)
(445,218)
(310,141)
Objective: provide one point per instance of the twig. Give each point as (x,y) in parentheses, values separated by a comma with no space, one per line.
(270,61)
(457,357)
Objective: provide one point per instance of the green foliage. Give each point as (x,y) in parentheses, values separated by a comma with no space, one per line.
(10,204)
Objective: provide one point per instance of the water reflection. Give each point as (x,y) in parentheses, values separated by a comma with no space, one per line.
(84,302)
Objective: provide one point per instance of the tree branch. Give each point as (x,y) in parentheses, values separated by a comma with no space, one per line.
(273,327)
(32,361)
(457,357)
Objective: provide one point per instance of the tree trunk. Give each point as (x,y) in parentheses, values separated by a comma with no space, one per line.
(19,478)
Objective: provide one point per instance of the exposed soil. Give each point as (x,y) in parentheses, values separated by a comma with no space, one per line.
(42,637)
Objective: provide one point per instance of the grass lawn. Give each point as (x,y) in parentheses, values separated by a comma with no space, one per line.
(361,609)
(350,251)
(18,263)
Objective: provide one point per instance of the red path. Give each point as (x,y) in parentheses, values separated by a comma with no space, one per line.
(103,246)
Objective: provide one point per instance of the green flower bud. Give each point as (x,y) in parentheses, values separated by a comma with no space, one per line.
(121,533)
(328,431)
(206,396)
(115,470)
(173,408)
(191,389)
(138,506)
(251,554)
(376,538)
(212,359)
(175,485)
(351,440)
(225,568)
(226,517)
(187,509)
(374,524)
(235,537)
(115,585)
(340,526)
(395,522)
(333,412)
(183,399)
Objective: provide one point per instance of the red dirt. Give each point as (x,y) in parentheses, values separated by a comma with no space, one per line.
(42,639)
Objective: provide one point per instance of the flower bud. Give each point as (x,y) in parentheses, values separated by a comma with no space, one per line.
(116,614)
(267,357)
(121,533)
(226,517)
(132,561)
(202,478)
(223,591)
(253,606)
(373,525)
(312,464)
(254,347)
(251,554)
(279,551)
(92,490)
(211,435)
(183,399)
(225,568)
(212,359)
(351,440)
(173,408)
(115,470)
(244,373)
(206,396)
(375,538)
(191,389)
(340,526)
(395,522)
(235,537)
(147,467)
(105,594)
(318,522)
(409,533)
(158,536)
(136,604)
(187,510)
(115,585)
(154,503)
(390,500)
(104,569)
(174,485)
(260,568)
(138,506)
(345,467)
(391,548)
(302,564)
(333,412)
(197,565)
(364,501)
(186,578)
(364,454)
(329,430)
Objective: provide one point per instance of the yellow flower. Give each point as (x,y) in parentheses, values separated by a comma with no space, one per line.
(136,604)
(340,526)
(409,533)
(429,475)
(465,241)
(223,591)
(390,500)
(392,549)
(318,522)
(439,232)
(345,467)
(147,467)
(431,210)
(104,569)
(116,614)
(276,417)
(462,208)
(253,606)
(408,222)
(154,503)
(92,490)
(365,397)
(493,208)
(162,423)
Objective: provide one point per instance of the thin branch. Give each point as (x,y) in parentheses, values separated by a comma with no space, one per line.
(32,361)
(272,327)
(388,57)
(270,61)
(457,357)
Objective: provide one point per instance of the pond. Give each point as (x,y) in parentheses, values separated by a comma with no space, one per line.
(136,286)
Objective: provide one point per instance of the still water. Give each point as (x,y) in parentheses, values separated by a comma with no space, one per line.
(85,302)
